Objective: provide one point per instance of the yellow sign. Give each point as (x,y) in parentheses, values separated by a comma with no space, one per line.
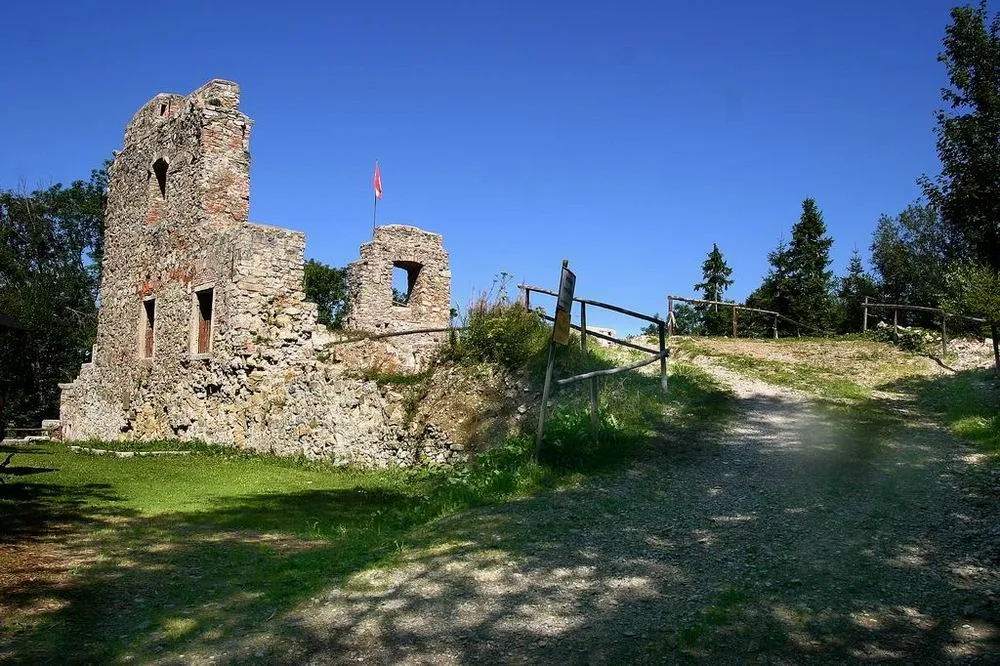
(560,334)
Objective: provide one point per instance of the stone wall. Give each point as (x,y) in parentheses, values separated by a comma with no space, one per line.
(236,355)
(422,256)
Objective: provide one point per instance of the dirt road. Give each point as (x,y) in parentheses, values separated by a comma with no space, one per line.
(804,533)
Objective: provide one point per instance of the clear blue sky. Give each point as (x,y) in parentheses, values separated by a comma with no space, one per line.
(624,136)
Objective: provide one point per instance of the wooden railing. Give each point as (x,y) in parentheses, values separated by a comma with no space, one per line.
(661,354)
(736,307)
(896,307)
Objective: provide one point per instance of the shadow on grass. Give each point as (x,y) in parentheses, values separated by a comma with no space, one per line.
(30,511)
(968,401)
(202,580)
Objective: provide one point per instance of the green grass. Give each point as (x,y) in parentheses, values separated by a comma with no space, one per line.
(181,553)
(189,546)
(805,377)
(968,402)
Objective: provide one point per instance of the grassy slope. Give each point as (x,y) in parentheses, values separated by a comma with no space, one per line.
(184,552)
(849,371)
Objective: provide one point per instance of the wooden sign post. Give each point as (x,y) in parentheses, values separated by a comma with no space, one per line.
(560,335)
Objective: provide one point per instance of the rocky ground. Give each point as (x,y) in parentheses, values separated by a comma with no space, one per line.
(805,533)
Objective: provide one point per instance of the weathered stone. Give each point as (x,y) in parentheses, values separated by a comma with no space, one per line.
(235,355)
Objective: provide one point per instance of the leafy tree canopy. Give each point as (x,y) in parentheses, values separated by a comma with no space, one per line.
(327,287)
(50,261)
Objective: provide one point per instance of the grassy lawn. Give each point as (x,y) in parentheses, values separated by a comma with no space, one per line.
(111,559)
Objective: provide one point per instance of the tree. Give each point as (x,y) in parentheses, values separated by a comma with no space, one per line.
(967,191)
(716,278)
(327,288)
(50,262)
(773,293)
(716,275)
(853,289)
(974,289)
(910,254)
(686,320)
(809,280)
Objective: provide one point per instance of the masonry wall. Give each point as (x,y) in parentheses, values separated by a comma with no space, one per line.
(266,383)
(420,253)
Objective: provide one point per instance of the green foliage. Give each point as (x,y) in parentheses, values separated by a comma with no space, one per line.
(910,253)
(974,290)
(686,320)
(967,191)
(908,338)
(799,284)
(380,376)
(851,293)
(327,287)
(810,281)
(774,293)
(716,278)
(51,245)
(500,331)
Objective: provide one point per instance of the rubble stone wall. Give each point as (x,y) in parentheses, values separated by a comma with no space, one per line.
(372,309)
(268,382)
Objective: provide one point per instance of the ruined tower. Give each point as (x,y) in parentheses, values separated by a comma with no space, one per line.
(203,331)
(425,301)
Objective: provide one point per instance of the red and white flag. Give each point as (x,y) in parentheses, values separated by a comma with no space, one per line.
(377,182)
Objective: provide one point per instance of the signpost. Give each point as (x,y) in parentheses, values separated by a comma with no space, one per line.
(560,335)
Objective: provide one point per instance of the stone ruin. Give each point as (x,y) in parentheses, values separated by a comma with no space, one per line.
(203,329)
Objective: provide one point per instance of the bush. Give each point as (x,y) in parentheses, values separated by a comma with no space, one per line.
(501,332)
(911,339)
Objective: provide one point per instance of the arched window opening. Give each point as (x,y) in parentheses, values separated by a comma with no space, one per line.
(160,169)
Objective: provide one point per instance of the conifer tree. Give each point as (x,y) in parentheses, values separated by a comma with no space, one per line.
(810,282)
(854,287)
(716,278)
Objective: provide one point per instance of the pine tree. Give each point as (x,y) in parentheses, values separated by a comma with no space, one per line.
(716,278)
(810,283)
(773,293)
(854,287)
(716,274)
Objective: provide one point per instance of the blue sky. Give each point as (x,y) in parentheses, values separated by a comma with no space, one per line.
(624,136)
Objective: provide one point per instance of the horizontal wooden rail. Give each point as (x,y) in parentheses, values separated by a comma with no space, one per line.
(599,304)
(614,371)
(617,341)
(379,336)
(737,306)
(924,308)
(698,301)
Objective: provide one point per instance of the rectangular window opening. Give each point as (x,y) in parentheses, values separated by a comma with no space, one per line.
(204,314)
(404,279)
(149,326)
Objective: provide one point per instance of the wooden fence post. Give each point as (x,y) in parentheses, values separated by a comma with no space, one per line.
(663,359)
(734,322)
(944,334)
(583,327)
(670,319)
(595,418)
(776,327)
(895,324)
(864,323)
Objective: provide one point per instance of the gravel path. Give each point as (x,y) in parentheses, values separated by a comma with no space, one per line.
(800,535)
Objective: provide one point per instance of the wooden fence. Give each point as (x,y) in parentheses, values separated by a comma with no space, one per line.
(661,325)
(896,307)
(594,377)
(735,308)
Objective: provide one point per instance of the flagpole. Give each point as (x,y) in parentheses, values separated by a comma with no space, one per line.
(374,210)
